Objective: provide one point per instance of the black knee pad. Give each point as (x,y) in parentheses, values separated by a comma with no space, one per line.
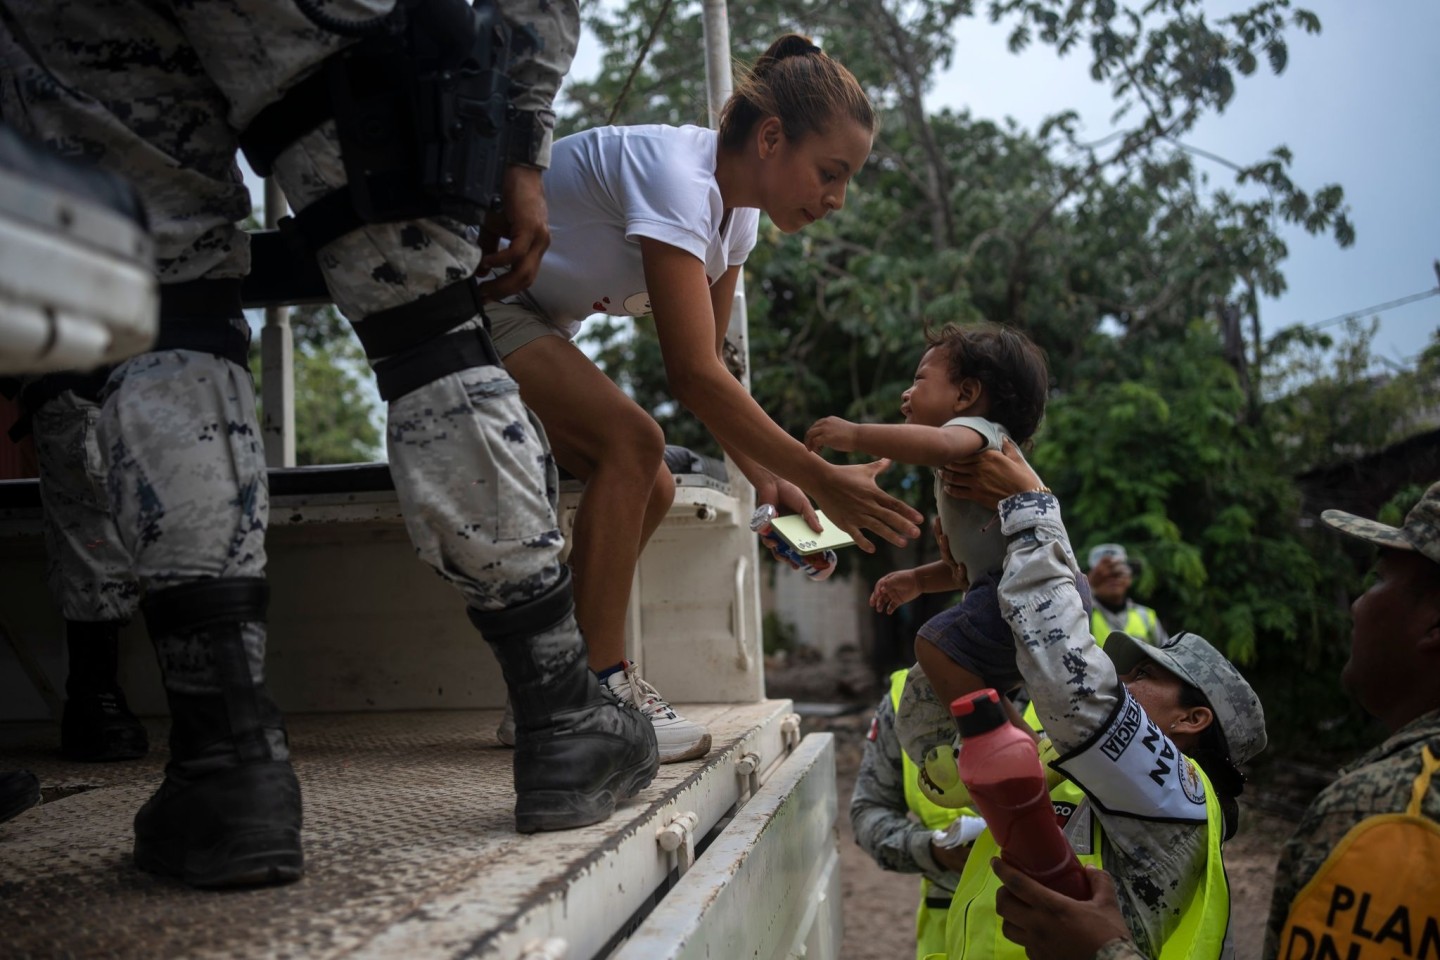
(191,606)
(530,618)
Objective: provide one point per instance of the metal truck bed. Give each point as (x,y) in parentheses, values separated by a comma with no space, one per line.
(392,701)
(411,849)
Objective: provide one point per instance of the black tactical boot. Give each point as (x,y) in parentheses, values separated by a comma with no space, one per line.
(228,813)
(577,749)
(97,724)
(19,791)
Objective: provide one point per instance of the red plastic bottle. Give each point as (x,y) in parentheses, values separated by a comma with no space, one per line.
(1001,767)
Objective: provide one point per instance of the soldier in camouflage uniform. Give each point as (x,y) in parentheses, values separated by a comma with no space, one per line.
(880,810)
(1394,672)
(1134,727)
(89,570)
(89,574)
(157,92)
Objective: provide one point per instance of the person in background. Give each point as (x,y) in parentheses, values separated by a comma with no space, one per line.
(1371,840)
(89,571)
(1110,579)
(904,831)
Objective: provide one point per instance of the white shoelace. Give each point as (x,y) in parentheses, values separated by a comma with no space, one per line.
(645,697)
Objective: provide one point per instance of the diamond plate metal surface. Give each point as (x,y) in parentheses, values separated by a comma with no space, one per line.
(401,810)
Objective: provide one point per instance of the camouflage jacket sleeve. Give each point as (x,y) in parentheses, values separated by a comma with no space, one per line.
(555,25)
(1071,681)
(878,813)
(1120,950)
(1149,800)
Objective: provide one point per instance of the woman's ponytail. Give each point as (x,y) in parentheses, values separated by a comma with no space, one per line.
(800,84)
(790,45)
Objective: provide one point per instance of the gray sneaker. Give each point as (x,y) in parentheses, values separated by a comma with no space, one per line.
(679,738)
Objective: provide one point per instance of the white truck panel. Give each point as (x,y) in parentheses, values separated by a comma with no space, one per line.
(769,885)
(356,622)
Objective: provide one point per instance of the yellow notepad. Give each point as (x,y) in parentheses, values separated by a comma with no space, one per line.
(795,531)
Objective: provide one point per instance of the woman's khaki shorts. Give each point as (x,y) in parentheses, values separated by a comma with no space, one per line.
(512,325)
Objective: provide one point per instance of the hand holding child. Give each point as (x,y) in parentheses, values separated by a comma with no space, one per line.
(957,570)
(991,476)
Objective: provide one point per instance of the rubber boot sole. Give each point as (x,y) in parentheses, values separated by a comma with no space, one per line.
(19,791)
(110,752)
(543,810)
(237,827)
(693,752)
(259,859)
(93,738)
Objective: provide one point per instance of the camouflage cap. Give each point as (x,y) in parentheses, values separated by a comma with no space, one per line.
(1191,658)
(1421,532)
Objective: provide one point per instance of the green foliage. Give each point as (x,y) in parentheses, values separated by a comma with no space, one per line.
(1163,461)
(1331,399)
(1172,428)
(335,416)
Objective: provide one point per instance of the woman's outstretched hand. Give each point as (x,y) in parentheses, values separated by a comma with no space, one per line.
(788,498)
(990,476)
(853,501)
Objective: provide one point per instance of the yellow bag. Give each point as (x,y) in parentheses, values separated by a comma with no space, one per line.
(1377,896)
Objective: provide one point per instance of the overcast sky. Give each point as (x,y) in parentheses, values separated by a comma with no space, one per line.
(1359,105)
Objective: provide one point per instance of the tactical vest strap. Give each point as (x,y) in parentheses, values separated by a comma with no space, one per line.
(200,300)
(440,357)
(402,328)
(324,221)
(199,315)
(42,390)
(179,610)
(421,106)
(303,107)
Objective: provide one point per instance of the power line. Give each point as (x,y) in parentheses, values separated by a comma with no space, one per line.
(1377,308)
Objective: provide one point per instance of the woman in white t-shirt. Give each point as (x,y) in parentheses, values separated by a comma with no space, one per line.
(658,219)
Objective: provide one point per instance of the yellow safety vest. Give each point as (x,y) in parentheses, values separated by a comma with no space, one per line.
(929,921)
(1139,623)
(973,930)
(1377,896)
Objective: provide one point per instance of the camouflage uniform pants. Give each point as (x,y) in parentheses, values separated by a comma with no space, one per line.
(89,571)
(156,91)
